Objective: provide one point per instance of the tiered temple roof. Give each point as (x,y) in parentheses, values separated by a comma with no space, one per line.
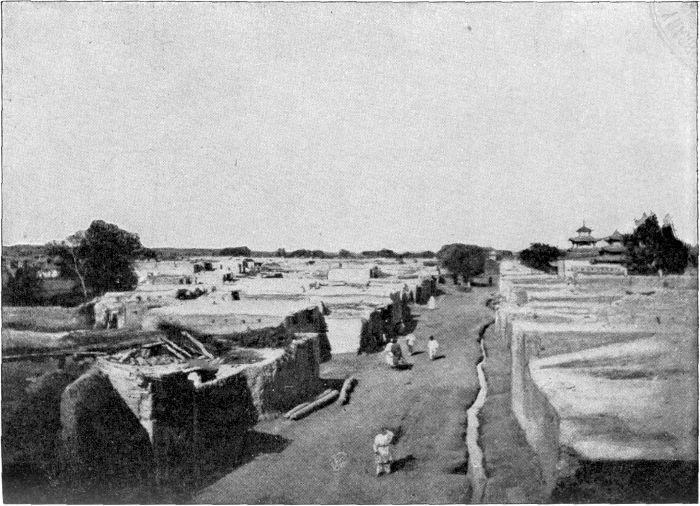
(584,237)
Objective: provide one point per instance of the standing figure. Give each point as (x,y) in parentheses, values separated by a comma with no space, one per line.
(432,347)
(382,451)
(388,355)
(396,352)
(410,342)
(431,302)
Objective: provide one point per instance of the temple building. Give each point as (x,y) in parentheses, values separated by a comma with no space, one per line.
(614,251)
(583,245)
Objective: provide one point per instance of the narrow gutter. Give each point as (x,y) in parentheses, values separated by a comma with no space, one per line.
(476,475)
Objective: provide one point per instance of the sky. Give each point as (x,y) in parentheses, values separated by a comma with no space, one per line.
(356,126)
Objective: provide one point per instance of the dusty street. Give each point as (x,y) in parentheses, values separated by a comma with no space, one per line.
(327,457)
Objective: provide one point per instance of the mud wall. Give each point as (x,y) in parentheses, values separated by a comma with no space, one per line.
(533,411)
(104,450)
(281,383)
(210,324)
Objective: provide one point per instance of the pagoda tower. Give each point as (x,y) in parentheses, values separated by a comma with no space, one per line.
(583,245)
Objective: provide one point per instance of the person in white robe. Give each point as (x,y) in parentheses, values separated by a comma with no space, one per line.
(382,451)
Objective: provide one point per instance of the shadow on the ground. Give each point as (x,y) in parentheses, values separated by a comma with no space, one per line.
(636,481)
(403,367)
(256,443)
(334,383)
(416,353)
(439,357)
(406,462)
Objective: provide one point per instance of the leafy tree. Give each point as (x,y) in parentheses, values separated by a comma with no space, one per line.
(343,253)
(101,257)
(240,251)
(652,248)
(539,256)
(281,252)
(70,264)
(382,253)
(148,254)
(22,288)
(466,260)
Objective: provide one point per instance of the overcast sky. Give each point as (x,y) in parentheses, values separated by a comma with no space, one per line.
(354,126)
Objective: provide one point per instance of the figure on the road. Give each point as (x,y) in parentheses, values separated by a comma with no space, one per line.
(382,451)
(388,355)
(432,347)
(431,302)
(394,355)
(410,342)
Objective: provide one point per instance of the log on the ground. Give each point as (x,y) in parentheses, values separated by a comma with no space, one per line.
(296,408)
(348,386)
(323,394)
(323,401)
(289,413)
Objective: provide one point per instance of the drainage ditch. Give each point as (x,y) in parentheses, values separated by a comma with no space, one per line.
(476,475)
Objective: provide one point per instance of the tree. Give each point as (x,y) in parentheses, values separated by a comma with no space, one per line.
(652,248)
(101,257)
(69,263)
(343,253)
(148,254)
(539,256)
(239,251)
(23,286)
(466,260)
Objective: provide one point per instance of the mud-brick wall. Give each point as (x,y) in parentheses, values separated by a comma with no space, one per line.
(372,330)
(311,321)
(104,449)
(534,413)
(279,384)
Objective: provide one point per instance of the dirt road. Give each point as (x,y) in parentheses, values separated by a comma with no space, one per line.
(327,457)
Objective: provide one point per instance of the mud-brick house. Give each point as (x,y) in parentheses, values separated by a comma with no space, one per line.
(167,421)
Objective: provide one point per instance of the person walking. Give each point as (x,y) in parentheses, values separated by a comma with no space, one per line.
(410,342)
(382,451)
(432,347)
